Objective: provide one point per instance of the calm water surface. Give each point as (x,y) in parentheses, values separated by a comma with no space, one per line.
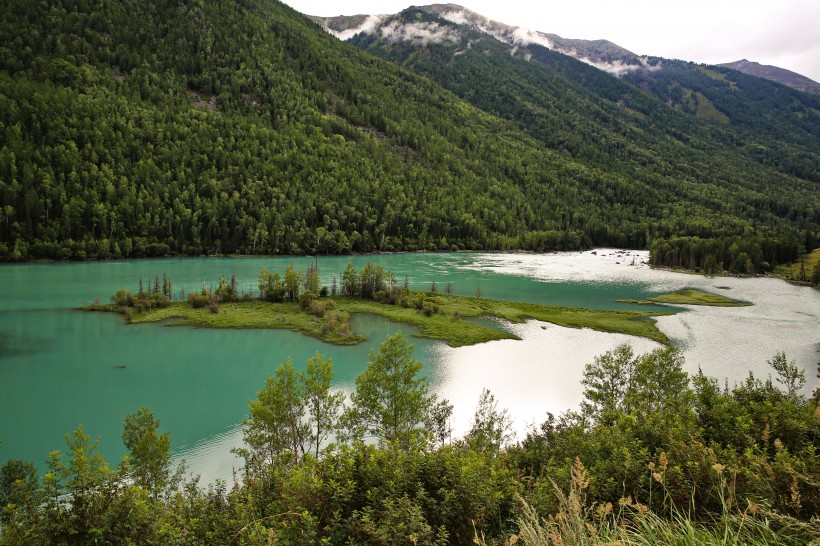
(60,368)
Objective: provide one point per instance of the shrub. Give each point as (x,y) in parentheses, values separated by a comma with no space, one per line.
(429,308)
(318,308)
(198,301)
(123,298)
(306,299)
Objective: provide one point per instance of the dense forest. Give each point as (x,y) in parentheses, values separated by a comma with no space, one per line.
(668,127)
(132,129)
(652,456)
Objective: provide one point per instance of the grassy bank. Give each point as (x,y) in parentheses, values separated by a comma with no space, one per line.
(248,314)
(691,296)
(445,321)
(800,272)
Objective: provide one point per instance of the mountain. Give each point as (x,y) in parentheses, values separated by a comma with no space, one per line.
(778,126)
(775,74)
(602,54)
(657,125)
(132,128)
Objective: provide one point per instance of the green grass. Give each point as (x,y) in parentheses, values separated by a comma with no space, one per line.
(707,110)
(691,296)
(448,324)
(249,314)
(795,271)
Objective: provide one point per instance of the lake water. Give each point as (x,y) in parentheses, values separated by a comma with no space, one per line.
(60,368)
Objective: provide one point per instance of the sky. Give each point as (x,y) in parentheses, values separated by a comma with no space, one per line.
(784,33)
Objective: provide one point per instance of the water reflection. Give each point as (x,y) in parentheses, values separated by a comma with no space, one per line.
(540,373)
(59,367)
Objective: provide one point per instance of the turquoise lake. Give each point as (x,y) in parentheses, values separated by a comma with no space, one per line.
(60,368)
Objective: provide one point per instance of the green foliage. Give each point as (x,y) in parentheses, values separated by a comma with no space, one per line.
(491,429)
(658,159)
(788,374)
(649,461)
(271,286)
(241,127)
(274,426)
(149,455)
(390,402)
(18,486)
(322,405)
(293,415)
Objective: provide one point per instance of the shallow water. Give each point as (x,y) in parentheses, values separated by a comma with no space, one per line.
(60,368)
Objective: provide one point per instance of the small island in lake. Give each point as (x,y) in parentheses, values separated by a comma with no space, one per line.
(691,296)
(296,302)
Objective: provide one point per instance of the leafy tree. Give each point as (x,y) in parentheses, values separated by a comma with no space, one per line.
(85,478)
(438,421)
(149,456)
(294,414)
(491,429)
(293,281)
(788,374)
(391,400)
(323,406)
(606,382)
(350,280)
(275,426)
(18,487)
(312,279)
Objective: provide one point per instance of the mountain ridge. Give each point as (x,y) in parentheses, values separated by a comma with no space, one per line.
(775,74)
(135,129)
(601,53)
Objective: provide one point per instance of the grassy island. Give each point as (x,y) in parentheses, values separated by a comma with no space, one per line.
(448,324)
(296,302)
(691,296)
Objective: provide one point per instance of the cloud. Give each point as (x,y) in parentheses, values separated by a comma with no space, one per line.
(525,36)
(618,68)
(421,33)
(368,27)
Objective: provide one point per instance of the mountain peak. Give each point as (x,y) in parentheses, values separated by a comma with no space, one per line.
(602,54)
(775,74)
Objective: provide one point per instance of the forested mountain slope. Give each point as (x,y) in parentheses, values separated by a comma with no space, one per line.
(132,128)
(656,125)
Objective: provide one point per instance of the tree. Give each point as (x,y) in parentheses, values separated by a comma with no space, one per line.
(18,486)
(606,381)
(149,453)
(390,401)
(491,428)
(438,420)
(88,481)
(350,281)
(312,279)
(295,413)
(658,384)
(788,374)
(293,280)
(322,405)
(274,425)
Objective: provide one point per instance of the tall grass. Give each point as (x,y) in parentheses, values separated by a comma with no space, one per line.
(634,524)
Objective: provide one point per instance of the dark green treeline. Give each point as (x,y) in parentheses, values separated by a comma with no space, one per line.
(132,129)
